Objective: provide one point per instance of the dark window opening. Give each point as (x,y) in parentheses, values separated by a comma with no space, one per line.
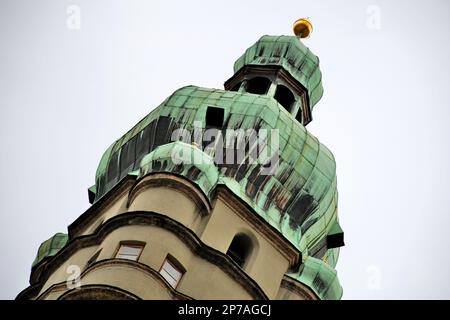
(335,240)
(258,85)
(214,117)
(303,105)
(285,97)
(236,86)
(240,249)
(91,195)
(298,117)
(93,259)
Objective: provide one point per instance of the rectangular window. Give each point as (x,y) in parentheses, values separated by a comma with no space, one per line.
(171,273)
(214,117)
(130,251)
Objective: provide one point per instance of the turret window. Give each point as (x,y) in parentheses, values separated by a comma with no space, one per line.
(214,117)
(240,249)
(258,85)
(285,97)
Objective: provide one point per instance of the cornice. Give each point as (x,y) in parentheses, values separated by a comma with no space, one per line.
(41,274)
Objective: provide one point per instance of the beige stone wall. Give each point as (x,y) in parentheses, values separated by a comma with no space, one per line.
(116,207)
(294,290)
(203,279)
(171,203)
(79,258)
(266,264)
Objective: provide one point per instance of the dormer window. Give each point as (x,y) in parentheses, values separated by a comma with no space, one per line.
(214,117)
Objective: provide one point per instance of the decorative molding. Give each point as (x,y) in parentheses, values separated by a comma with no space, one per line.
(273,72)
(104,203)
(42,273)
(97,292)
(299,288)
(172,181)
(176,295)
(29,293)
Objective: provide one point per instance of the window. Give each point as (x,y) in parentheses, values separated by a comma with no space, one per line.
(285,97)
(240,249)
(258,85)
(298,117)
(93,259)
(129,251)
(303,106)
(172,271)
(214,117)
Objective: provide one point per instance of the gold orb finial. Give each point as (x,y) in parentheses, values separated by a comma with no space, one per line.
(302,28)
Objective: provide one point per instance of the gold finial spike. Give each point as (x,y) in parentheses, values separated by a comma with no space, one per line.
(302,28)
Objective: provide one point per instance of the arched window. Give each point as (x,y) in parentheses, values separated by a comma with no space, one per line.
(258,85)
(240,249)
(285,97)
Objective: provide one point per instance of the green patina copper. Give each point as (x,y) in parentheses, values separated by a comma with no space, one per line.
(50,247)
(187,157)
(291,54)
(320,277)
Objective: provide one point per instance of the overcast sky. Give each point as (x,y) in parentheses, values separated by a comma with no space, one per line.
(70,87)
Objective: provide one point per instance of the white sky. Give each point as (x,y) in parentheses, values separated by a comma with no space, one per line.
(66,95)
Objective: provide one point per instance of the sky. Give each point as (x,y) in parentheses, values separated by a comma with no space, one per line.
(76,75)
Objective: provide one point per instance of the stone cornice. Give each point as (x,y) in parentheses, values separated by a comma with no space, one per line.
(299,288)
(101,205)
(43,271)
(119,262)
(98,292)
